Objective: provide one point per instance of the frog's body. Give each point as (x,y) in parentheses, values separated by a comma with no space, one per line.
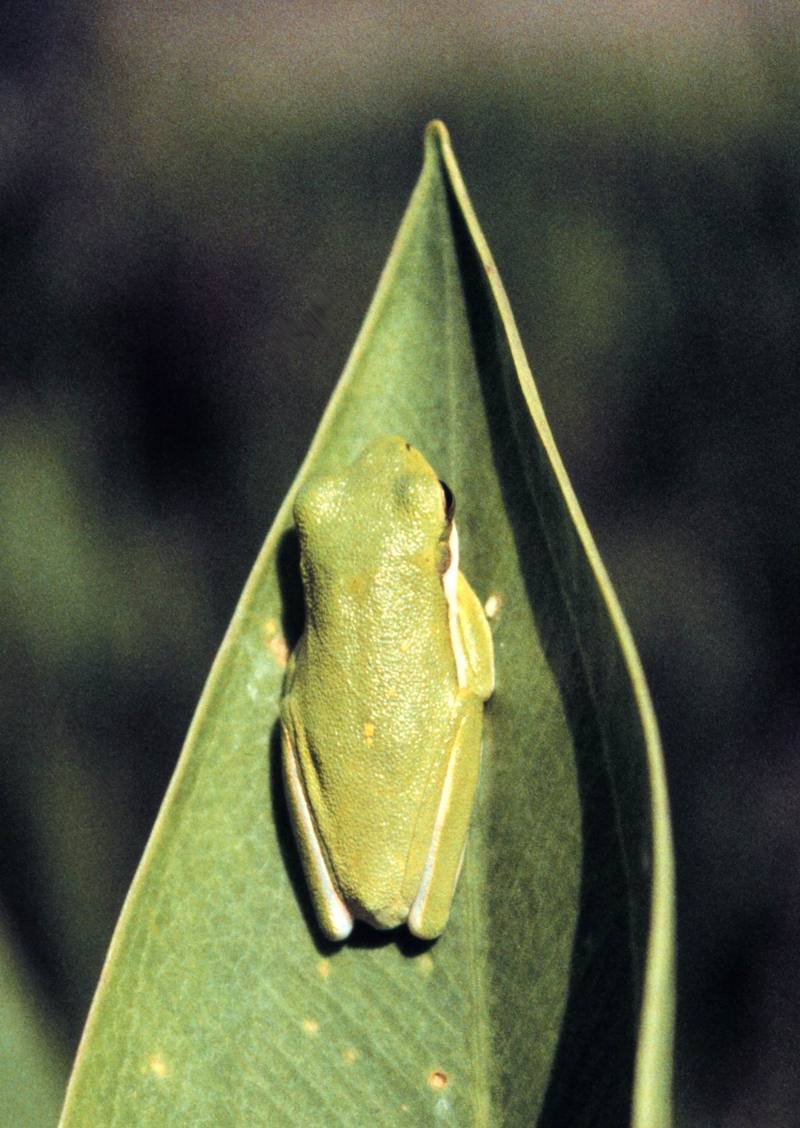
(383,701)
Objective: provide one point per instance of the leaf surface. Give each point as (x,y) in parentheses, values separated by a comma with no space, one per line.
(549,999)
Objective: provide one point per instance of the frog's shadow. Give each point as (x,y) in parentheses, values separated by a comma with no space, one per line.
(292,623)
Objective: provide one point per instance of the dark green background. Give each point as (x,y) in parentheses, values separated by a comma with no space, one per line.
(195,203)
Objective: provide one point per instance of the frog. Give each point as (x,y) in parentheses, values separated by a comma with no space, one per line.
(383,702)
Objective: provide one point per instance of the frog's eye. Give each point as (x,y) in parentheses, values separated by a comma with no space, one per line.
(449,502)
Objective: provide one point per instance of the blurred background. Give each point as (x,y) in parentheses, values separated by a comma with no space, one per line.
(196,200)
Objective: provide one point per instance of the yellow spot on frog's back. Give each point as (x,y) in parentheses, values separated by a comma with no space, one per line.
(425,964)
(324,969)
(276,643)
(405,647)
(492,605)
(357,584)
(438,1079)
(311,1026)
(391,692)
(369,733)
(157,1066)
(350,1055)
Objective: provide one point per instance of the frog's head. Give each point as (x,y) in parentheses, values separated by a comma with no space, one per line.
(387,505)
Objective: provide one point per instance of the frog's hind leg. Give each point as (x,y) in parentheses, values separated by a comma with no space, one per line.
(335,919)
(474,637)
(430,909)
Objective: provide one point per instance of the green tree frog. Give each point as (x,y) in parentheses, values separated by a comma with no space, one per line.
(383,701)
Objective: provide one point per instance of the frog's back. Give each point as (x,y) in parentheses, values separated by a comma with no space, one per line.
(375,732)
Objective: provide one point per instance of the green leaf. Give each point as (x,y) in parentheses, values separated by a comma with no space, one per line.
(549,999)
(33,1066)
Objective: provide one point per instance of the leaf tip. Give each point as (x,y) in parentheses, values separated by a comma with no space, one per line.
(437,135)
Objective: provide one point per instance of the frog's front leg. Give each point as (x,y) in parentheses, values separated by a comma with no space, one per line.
(431,906)
(335,919)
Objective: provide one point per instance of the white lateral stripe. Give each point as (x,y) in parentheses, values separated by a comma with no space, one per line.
(339,918)
(450,585)
(417,910)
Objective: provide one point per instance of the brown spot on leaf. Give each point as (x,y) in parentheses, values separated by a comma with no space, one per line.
(276,643)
